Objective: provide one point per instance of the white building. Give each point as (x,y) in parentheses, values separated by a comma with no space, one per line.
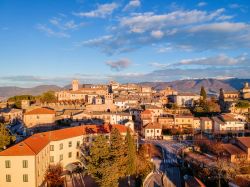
(152,131)
(185,99)
(226,123)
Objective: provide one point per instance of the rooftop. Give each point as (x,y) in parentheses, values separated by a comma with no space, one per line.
(153,126)
(40,111)
(35,143)
(245,141)
(232,149)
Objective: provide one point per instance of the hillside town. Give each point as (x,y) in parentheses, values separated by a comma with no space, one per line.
(195,136)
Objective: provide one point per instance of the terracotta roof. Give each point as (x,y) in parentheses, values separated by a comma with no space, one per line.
(153,126)
(245,141)
(205,119)
(146,112)
(184,116)
(40,111)
(228,117)
(35,143)
(232,149)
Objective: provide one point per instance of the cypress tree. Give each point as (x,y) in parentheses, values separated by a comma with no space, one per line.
(131,154)
(203,94)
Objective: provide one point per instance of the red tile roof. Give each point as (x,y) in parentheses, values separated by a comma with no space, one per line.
(146,112)
(40,111)
(245,141)
(35,143)
(153,126)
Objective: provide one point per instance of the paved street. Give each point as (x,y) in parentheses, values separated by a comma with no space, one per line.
(154,180)
(170,165)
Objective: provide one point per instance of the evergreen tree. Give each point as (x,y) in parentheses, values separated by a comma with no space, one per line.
(118,154)
(203,94)
(98,161)
(5,137)
(131,154)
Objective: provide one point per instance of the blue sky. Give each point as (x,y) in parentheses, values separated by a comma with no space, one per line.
(55,41)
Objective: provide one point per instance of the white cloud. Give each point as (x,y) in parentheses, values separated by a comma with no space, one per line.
(219,60)
(158,65)
(149,20)
(132,4)
(220,27)
(157,34)
(49,32)
(186,30)
(201,4)
(102,11)
(119,64)
(65,25)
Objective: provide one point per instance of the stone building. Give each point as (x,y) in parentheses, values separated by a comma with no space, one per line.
(39,117)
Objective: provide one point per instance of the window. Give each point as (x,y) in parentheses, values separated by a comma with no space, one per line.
(37,117)
(157,131)
(70,144)
(7,163)
(51,159)
(51,147)
(25,163)
(70,154)
(61,157)
(61,146)
(147,131)
(8,178)
(25,178)
(77,154)
(78,144)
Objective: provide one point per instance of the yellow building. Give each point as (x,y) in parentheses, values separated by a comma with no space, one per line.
(24,164)
(39,117)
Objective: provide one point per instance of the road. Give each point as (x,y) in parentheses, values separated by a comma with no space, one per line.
(170,163)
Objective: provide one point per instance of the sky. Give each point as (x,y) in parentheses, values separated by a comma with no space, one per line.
(55,41)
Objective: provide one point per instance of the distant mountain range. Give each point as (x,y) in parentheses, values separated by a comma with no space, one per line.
(212,86)
(12,91)
(192,85)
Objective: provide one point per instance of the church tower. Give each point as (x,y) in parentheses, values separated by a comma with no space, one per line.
(75,85)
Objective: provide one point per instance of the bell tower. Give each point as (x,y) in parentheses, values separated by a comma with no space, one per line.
(75,85)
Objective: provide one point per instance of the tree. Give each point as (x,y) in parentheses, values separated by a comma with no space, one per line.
(53,176)
(98,161)
(131,154)
(243,104)
(18,98)
(203,94)
(48,97)
(143,164)
(118,155)
(5,137)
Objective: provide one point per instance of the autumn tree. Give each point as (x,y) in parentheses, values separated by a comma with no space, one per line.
(143,164)
(53,176)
